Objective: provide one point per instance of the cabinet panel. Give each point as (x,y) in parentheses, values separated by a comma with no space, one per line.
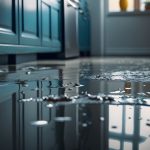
(30,16)
(46,25)
(8,22)
(55,25)
(51,23)
(30,26)
(30,22)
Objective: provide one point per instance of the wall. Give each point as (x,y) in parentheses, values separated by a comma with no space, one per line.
(118,34)
(95,26)
(127,35)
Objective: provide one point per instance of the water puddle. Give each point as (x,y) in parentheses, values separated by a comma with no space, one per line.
(77,104)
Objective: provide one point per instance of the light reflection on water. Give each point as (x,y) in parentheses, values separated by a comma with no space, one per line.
(84,107)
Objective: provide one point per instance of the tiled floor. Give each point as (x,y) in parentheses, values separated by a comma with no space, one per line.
(81,104)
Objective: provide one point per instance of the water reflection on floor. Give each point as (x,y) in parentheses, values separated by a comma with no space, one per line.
(83,104)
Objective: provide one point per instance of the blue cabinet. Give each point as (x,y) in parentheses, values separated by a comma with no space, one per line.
(84,27)
(30,26)
(29,22)
(51,24)
(8,22)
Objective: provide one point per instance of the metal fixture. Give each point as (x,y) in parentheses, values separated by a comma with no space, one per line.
(75,4)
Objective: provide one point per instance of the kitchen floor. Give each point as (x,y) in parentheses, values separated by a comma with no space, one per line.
(79,104)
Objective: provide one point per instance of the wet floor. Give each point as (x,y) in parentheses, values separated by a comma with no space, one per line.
(82,104)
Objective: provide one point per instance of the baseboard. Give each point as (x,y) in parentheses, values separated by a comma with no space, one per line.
(127,51)
(21,58)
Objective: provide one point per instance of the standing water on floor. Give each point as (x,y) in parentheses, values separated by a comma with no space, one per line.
(83,104)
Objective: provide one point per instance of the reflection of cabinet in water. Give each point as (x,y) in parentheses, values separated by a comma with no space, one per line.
(33,137)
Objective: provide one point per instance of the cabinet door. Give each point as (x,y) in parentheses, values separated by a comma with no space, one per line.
(8,22)
(46,24)
(70,31)
(84,27)
(55,24)
(8,116)
(30,22)
(51,23)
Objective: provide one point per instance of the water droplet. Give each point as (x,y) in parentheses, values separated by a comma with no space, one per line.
(108,98)
(95,97)
(114,126)
(117,92)
(98,76)
(128,88)
(25,85)
(63,119)
(53,98)
(102,118)
(78,85)
(39,123)
(84,114)
(75,97)
(70,89)
(26,100)
(146,101)
(31,100)
(1,71)
(28,72)
(141,94)
(44,68)
(35,89)
(50,105)
(148,124)
(38,100)
(84,125)
(92,96)
(32,68)
(45,78)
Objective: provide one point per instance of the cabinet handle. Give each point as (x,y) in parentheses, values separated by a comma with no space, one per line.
(73,4)
(76,1)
